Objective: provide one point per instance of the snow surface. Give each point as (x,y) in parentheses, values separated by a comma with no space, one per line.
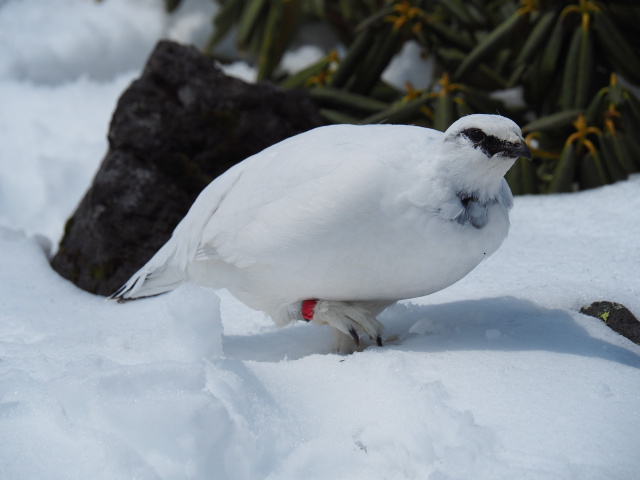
(497,377)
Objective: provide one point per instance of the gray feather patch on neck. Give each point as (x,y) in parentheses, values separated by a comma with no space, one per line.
(474,212)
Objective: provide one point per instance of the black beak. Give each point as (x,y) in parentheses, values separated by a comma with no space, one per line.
(517,150)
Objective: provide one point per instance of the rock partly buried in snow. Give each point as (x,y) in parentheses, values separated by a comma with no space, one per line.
(617,317)
(175,129)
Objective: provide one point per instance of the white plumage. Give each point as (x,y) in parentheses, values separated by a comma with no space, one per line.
(356,217)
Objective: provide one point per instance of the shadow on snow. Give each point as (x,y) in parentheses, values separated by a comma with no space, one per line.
(499,324)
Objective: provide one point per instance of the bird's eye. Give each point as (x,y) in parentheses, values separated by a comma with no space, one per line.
(474,134)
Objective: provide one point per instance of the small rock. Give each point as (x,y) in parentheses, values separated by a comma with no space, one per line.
(617,317)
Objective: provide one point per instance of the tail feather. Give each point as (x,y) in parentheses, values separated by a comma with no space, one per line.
(158,276)
(143,285)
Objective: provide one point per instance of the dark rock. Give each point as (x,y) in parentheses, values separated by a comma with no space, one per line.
(617,317)
(175,129)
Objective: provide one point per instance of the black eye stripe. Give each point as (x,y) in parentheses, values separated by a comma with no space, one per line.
(492,145)
(489,144)
(474,134)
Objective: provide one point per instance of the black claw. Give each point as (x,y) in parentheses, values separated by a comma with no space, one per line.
(379,341)
(355,337)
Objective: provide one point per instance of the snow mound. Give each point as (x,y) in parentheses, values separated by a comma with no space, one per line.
(496,387)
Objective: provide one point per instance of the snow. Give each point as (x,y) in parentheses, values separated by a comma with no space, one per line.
(495,377)
(409,66)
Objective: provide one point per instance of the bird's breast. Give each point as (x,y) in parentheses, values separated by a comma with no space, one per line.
(435,252)
(414,254)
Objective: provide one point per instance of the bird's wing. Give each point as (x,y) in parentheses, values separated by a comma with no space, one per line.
(303,190)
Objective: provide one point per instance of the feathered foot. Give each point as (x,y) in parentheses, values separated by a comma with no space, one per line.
(348,318)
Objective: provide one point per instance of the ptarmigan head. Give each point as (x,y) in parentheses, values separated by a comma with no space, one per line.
(477,150)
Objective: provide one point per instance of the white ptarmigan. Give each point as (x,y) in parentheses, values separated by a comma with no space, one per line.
(335,224)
